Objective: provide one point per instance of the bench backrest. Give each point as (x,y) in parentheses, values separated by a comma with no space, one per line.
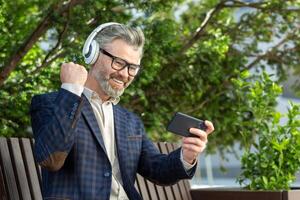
(20,176)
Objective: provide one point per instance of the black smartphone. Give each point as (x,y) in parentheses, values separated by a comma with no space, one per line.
(181,123)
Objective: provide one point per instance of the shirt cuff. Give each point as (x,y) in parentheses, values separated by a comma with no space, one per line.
(187,166)
(74,88)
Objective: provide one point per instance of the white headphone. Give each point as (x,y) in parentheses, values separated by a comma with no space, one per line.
(90,49)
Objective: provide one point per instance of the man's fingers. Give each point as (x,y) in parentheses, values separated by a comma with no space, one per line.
(193,149)
(196,140)
(73,73)
(210,127)
(193,145)
(201,134)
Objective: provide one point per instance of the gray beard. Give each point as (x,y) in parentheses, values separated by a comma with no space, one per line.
(106,87)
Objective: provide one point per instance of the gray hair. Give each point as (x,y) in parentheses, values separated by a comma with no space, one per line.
(131,35)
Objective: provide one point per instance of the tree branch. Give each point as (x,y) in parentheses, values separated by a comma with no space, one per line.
(46,61)
(268,52)
(209,15)
(42,66)
(257,5)
(237,4)
(199,32)
(42,27)
(60,36)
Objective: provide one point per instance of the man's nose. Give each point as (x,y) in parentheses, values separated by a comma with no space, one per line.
(124,72)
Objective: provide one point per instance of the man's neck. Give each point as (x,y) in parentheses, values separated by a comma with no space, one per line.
(93,85)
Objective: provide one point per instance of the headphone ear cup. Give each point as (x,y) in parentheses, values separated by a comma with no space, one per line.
(92,54)
(90,50)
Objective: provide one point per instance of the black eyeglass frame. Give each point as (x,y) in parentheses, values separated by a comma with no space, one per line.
(113,58)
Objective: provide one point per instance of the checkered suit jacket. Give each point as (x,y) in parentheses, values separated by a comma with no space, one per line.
(65,123)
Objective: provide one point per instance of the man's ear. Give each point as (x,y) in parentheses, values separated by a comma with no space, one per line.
(91,66)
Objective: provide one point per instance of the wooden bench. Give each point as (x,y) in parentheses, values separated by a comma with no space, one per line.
(20,176)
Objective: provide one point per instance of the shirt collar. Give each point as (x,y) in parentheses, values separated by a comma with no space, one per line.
(92,95)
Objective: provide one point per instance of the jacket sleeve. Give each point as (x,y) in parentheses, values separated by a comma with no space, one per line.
(53,119)
(160,168)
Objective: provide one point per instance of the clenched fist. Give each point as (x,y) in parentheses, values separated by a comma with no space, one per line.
(73,73)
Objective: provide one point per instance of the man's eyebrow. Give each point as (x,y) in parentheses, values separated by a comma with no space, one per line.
(108,51)
(127,61)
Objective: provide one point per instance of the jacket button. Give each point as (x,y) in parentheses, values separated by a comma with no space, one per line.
(107,174)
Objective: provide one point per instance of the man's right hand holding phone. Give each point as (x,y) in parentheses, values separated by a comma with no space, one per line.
(193,146)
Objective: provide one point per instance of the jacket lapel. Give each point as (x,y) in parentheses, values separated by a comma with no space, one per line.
(121,139)
(91,120)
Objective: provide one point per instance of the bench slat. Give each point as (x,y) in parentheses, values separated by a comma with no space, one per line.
(152,190)
(20,168)
(142,187)
(168,189)
(21,175)
(136,186)
(175,188)
(3,194)
(184,185)
(8,172)
(33,179)
(185,193)
(160,189)
(37,166)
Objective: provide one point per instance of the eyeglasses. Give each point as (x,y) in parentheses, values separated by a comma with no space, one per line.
(119,64)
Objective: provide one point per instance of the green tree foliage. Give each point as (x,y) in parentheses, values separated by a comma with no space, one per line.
(271,161)
(194,53)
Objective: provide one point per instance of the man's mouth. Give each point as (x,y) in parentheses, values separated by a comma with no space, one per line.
(117,83)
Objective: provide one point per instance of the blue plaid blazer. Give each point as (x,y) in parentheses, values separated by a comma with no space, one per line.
(64,122)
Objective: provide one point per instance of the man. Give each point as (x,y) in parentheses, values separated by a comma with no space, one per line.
(88,146)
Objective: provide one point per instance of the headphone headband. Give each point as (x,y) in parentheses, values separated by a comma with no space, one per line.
(90,49)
